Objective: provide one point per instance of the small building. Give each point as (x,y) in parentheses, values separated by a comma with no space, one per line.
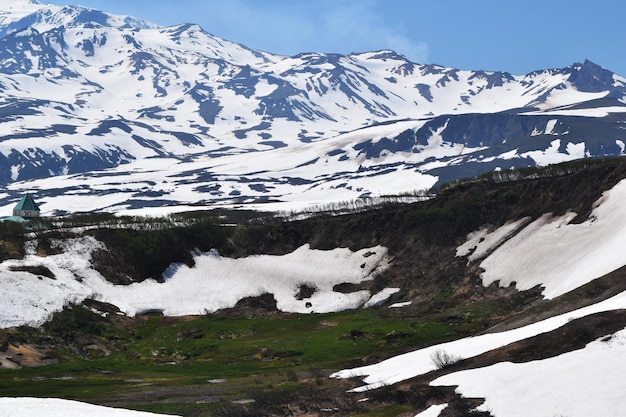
(26,208)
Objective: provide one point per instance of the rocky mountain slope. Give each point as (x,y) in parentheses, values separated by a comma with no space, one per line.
(145,116)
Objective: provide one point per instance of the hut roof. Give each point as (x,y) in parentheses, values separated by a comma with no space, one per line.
(27,203)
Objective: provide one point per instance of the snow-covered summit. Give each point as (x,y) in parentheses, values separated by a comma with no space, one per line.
(17,14)
(19,7)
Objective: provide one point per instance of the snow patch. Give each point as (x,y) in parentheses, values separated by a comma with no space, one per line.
(561,256)
(433,411)
(52,407)
(400,305)
(585,382)
(484,241)
(213,283)
(577,150)
(550,126)
(550,155)
(381,297)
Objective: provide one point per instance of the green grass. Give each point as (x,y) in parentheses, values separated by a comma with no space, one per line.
(387,411)
(234,346)
(249,352)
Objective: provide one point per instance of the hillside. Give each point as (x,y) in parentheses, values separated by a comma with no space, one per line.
(418,299)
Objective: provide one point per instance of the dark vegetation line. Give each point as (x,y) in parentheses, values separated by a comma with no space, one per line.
(535,172)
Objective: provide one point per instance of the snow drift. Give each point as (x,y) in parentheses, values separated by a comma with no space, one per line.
(213,283)
(52,407)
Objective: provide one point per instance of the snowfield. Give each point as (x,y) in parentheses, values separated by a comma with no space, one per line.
(551,251)
(582,383)
(213,283)
(51,407)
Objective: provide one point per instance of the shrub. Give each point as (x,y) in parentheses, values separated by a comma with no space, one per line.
(442,359)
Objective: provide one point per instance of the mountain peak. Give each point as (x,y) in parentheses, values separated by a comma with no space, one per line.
(383,55)
(19,7)
(17,14)
(590,77)
(587,65)
(9,4)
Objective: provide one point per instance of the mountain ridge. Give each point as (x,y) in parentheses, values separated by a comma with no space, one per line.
(106,91)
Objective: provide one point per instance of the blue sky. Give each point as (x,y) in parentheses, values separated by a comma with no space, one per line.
(517,37)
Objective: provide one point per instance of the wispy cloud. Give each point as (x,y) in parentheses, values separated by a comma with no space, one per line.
(341,26)
(363,28)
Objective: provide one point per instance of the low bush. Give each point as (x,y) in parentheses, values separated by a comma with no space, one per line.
(442,359)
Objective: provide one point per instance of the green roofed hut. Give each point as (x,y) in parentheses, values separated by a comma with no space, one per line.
(26,208)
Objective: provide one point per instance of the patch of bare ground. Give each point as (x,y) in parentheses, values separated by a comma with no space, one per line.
(152,393)
(39,270)
(317,396)
(418,396)
(16,356)
(595,291)
(261,305)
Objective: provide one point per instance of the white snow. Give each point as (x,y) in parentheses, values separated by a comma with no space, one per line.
(400,305)
(433,411)
(591,112)
(31,299)
(558,255)
(51,407)
(581,383)
(419,362)
(485,240)
(550,155)
(549,129)
(381,296)
(577,150)
(213,283)
(550,126)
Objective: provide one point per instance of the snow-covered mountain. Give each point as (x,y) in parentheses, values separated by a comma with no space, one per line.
(162,116)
